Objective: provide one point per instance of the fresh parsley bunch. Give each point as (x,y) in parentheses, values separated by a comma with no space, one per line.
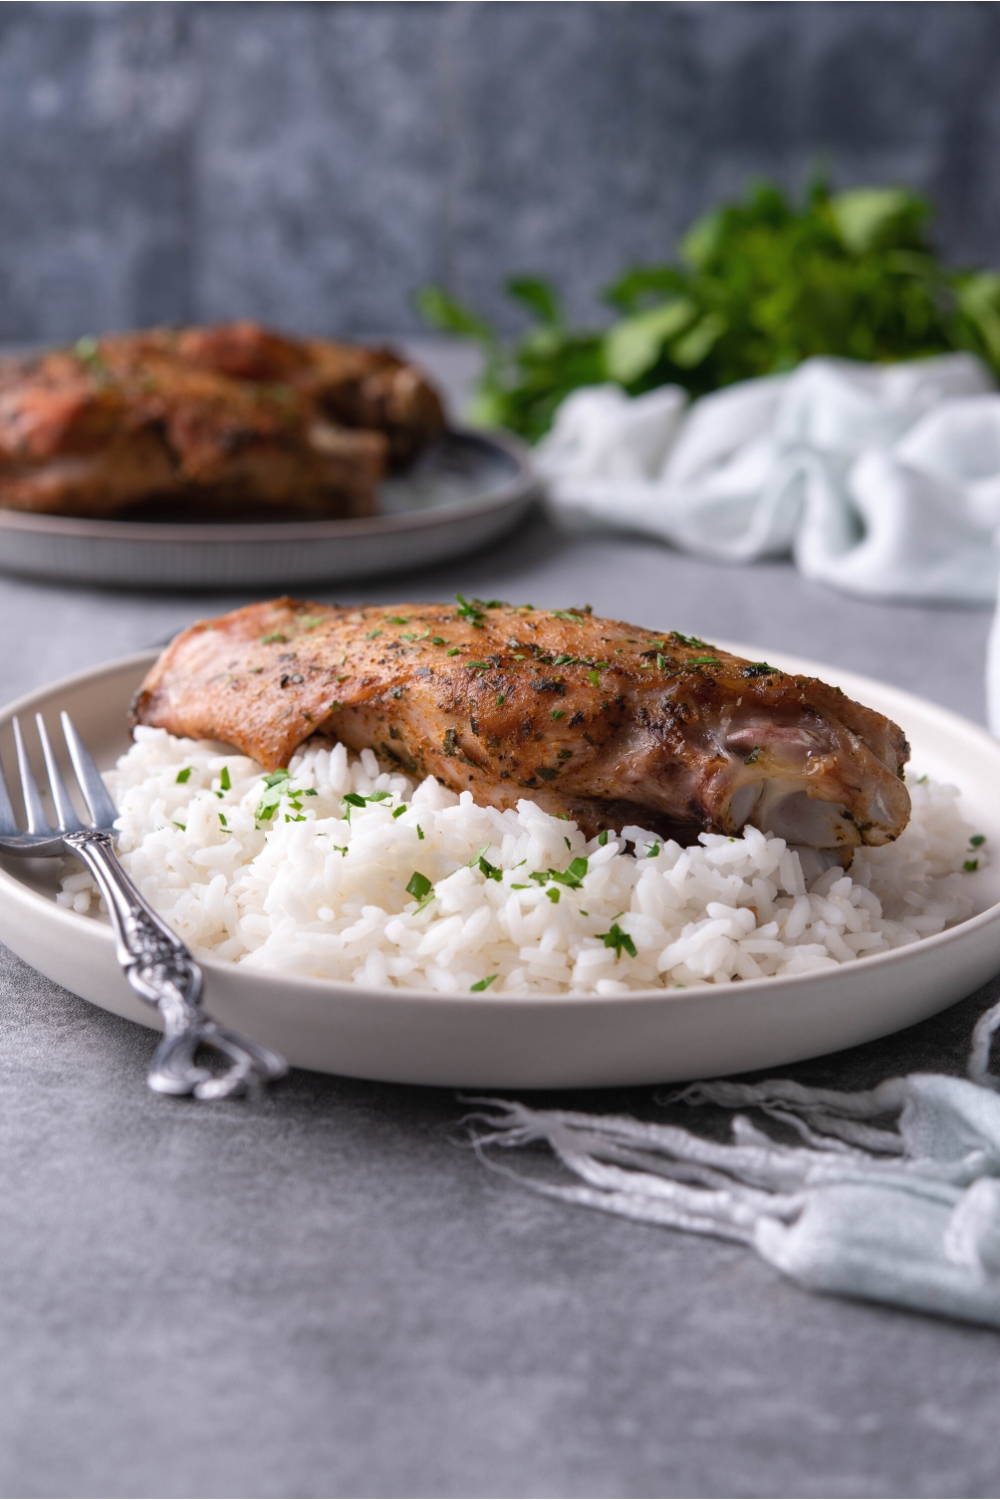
(760,285)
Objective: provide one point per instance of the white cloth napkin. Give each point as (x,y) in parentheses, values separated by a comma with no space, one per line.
(882,480)
(904,1211)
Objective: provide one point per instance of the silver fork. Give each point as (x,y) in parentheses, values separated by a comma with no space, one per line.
(157,965)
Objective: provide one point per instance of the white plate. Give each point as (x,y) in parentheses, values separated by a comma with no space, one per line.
(536,1042)
(464,491)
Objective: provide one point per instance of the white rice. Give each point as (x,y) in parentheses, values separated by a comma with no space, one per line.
(319,887)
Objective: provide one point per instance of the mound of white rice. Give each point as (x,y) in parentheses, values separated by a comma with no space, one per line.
(344,871)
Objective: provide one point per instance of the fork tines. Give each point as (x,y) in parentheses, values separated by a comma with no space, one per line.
(99,804)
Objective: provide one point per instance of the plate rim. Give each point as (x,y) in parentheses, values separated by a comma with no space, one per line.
(520,486)
(500,1003)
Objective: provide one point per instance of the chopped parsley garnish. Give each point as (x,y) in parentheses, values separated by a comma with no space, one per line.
(224,780)
(500,700)
(398,812)
(595,678)
(479,667)
(970,865)
(275,636)
(370,636)
(553,894)
(686,640)
(184,775)
(567,614)
(438,640)
(652,851)
(702,661)
(482,984)
(455,651)
(563,660)
(573,876)
(602,837)
(977,840)
(88,351)
(618,940)
(396,619)
(661,662)
(559,713)
(419,886)
(222,820)
(469,610)
(355,799)
(490,871)
(420,832)
(758,669)
(276,785)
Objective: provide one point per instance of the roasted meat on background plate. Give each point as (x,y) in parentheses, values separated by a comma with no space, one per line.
(232,418)
(601,721)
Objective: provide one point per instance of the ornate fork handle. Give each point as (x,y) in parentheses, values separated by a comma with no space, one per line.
(162,972)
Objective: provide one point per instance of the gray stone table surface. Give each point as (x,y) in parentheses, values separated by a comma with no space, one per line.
(322,1292)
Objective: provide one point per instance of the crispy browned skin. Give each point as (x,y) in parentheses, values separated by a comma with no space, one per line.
(599,720)
(231,417)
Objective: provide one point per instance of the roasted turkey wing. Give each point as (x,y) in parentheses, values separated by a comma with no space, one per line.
(600,721)
(233,417)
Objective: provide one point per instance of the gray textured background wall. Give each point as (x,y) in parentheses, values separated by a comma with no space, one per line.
(312,164)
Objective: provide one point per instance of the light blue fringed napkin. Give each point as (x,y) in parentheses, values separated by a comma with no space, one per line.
(891,1194)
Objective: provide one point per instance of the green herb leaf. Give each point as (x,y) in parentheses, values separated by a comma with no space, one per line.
(468,610)
(224,780)
(482,984)
(184,775)
(419,886)
(619,941)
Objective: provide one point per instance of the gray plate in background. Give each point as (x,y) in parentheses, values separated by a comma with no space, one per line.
(464,491)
